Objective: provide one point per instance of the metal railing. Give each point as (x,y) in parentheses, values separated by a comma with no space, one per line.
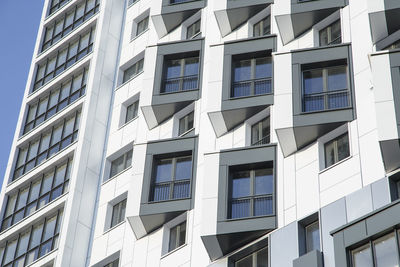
(180,84)
(326,100)
(171,190)
(251,87)
(263,141)
(252,206)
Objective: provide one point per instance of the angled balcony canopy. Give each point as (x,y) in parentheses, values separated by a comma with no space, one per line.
(384,20)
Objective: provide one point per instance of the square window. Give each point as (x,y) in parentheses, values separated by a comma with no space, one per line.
(177,236)
(142,25)
(193,30)
(133,70)
(336,150)
(181,74)
(263,27)
(331,34)
(121,163)
(118,213)
(186,123)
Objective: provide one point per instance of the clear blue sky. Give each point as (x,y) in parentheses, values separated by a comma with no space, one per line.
(19,23)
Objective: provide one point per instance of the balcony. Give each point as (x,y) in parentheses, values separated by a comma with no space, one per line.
(302,15)
(247,82)
(317,97)
(236,217)
(383,17)
(177,80)
(168,184)
(386,77)
(231,14)
(173,13)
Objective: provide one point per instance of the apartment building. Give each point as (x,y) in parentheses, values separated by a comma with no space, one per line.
(220,133)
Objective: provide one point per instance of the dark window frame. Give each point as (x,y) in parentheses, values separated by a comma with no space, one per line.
(195,33)
(336,149)
(261,24)
(139,25)
(55,6)
(127,163)
(328,30)
(254,257)
(262,140)
(188,119)
(137,68)
(177,84)
(135,106)
(121,211)
(178,240)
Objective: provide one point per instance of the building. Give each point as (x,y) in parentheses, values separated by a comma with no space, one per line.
(220,133)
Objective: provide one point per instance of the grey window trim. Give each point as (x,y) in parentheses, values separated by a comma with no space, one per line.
(125,163)
(194,35)
(262,140)
(135,106)
(177,2)
(328,30)
(137,67)
(336,150)
(121,215)
(261,23)
(186,121)
(146,22)
(178,233)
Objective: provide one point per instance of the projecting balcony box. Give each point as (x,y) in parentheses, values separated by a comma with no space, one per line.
(173,13)
(385,68)
(177,79)
(384,18)
(246,82)
(240,196)
(303,15)
(168,183)
(321,94)
(231,14)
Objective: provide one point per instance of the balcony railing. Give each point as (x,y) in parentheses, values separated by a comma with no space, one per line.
(326,101)
(252,206)
(171,190)
(265,140)
(251,87)
(181,84)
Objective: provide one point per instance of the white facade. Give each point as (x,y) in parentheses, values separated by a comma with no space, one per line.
(303,186)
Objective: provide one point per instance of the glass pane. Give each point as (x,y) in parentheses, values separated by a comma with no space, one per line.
(242,70)
(34,191)
(343,147)
(191,66)
(263,68)
(362,257)
(11,205)
(257,29)
(255,133)
(44,145)
(163,171)
(117,166)
(173,235)
(173,69)
(45,248)
(65,90)
(264,182)
(245,262)
(183,168)
(262,258)
(329,154)
(131,112)
(128,159)
(337,78)
(386,251)
(21,156)
(182,233)
(84,41)
(312,236)
(323,37)
(10,250)
(80,11)
(53,99)
(77,83)
(49,228)
(336,33)
(42,106)
(69,126)
(69,19)
(267,25)
(31,113)
(33,149)
(56,136)
(241,184)
(62,57)
(60,174)
(33,255)
(23,196)
(73,49)
(90,5)
(313,82)
(47,181)
(23,244)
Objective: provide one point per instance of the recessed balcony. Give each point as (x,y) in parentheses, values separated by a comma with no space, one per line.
(302,15)
(240,198)
(383,17)
(385,68)
(231,14)
(317,96)
(247,82)
(174,12)
(177,81)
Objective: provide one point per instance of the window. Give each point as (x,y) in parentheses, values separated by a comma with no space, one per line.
(142,25)
(251,192)
(181,75)
(133,70)
(172,178)
(131,111)
(118,213)
(312,236)
(181,1)
(255,259)
(193,30)
(380,252)
(37,194)
(251,76)
(33,243)
(69,21)
(56,5)
(394,45)
(49,143)
(337,150)
(49,105)
(186,123)
(64,59)
(263,27)
(131,2)
(121,163)
(177,236)
(260,132)
(331,34)
(112,264)
(325,89)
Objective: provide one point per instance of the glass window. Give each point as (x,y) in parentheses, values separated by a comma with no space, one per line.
(312,237)
(121,163)
(112,264)
(133,70)
(172,178)
(251,193)
(193,30)
(251,76)
(385,250)
(56,5)
(325,89)
(337,150)
(180,75)
(118,213)
(142,25)
(177,236)
(263,27)
(394,45)
(131,111)
(186,123)
(331,34)
(255,259)
(260,132)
